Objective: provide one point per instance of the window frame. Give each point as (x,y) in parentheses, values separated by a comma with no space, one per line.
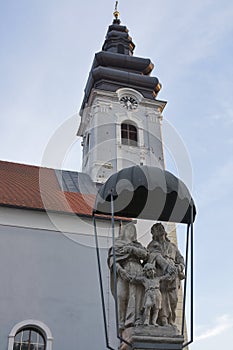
(30,340)
(131,134)
(35,325)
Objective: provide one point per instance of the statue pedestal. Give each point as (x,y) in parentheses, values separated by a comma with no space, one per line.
(151,337)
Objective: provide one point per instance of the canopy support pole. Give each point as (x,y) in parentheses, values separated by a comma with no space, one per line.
(101,286)
(115,274)
(114,264)
(191,282)
(185,281)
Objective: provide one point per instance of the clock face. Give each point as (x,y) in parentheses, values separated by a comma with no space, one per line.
(129,102)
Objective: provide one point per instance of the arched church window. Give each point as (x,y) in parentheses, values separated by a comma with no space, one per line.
(29,338)
(129,134)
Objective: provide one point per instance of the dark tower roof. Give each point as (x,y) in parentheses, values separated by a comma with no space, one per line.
(115,66)
(118,40)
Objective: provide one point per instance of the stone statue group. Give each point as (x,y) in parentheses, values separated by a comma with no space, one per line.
(148,279)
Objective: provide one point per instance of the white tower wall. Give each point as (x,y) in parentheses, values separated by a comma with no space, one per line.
(103,150)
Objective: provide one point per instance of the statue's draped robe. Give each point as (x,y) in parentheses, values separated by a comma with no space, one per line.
(129,295)
(162,255)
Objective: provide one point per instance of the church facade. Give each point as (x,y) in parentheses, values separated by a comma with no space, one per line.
(49,291)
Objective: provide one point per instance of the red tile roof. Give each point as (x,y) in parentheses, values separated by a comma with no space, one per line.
(33,187)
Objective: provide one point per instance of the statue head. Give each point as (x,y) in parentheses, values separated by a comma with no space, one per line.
(149,270)
(158,231)
(129,233)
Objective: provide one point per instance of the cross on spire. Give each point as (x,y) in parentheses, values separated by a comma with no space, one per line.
(116,5)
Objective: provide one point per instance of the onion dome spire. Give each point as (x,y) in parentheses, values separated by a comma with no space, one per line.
(117,38)
(115,66)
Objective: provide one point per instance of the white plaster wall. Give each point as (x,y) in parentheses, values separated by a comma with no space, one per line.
(51,277)
(71,226)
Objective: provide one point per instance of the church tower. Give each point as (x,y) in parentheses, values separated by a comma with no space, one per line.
(120,114)
(121,117)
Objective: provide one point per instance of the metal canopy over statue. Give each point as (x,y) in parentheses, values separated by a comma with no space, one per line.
(145,281)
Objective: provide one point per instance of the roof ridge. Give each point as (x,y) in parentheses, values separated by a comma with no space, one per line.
(37,166)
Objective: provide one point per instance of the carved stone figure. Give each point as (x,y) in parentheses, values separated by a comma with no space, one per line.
(129,256)
(152,295)
(165,256)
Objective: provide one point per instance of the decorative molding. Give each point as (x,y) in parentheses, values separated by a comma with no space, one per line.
(101,106)
(154,116)
(156,105)
(31,323)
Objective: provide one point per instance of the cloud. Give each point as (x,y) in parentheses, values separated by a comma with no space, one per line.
(223,323)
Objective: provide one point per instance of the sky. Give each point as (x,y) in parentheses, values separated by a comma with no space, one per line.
(47,48)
